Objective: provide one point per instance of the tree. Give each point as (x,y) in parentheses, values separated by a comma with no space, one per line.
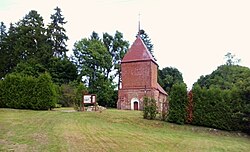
(57,35)
(225,77)
(231,60)
(9,55)
(120,47)
(147,41)
(169,76)
(62,70)
(29,68)
(32,39)
(104,89)
(117,48)
(3,32)
(91,58)
(3,55)
(93,61)
(26,40)
(108,42)
(71,94)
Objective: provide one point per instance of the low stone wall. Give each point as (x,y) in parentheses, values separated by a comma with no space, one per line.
(93,108)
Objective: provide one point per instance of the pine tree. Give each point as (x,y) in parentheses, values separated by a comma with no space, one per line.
(57,34)
(147,41)
(3,55)
(31,39)
(3,32)
(9,55)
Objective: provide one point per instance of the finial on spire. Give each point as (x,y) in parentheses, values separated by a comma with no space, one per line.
(139,28)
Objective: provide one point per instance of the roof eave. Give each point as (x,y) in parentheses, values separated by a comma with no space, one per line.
(129,61)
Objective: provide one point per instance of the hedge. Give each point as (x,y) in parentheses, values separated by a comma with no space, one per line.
(26,92)
(217,108)
(178,104)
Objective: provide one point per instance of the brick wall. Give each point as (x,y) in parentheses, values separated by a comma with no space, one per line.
(139,74)
(154,73)
(126,95)
(139,79)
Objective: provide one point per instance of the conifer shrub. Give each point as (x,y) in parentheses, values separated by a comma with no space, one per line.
(26,92)
(178,104)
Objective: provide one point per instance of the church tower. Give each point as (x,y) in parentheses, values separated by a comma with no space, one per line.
(139,78)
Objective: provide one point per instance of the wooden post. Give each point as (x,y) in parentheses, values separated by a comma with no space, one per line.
(83,93)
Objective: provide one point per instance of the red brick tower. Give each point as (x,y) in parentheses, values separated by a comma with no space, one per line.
(139,78)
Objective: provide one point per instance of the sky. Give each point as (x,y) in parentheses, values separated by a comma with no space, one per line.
(190,35)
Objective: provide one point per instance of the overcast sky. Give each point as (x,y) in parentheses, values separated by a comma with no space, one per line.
(190,35)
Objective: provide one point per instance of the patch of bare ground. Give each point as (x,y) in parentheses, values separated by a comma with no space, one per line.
(40,138)
(69,111)
(74,141)
(10,146)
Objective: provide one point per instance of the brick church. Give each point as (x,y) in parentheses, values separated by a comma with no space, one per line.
(139,79)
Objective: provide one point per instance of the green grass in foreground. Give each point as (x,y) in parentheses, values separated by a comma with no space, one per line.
(111,130)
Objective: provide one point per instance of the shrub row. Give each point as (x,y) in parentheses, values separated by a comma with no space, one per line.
(217,108)
(26,92)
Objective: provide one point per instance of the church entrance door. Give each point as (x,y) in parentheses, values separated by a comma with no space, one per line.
(136,105)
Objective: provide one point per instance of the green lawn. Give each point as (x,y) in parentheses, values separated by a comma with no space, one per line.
(111,130)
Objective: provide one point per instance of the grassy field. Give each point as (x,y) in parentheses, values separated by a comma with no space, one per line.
(111,130)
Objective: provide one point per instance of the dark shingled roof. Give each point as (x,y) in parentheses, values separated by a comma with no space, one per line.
(138,52)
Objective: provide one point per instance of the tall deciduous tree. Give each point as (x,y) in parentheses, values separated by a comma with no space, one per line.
(225,77)
(108,42)
(120,48)
(57,34)
(93,61)
(92,58)
(117,48)
(169,76)
(231,60)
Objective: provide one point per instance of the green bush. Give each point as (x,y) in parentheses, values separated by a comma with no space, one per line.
(149,108)
(26,92)
(67,96)
(178,104)
(71,94)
